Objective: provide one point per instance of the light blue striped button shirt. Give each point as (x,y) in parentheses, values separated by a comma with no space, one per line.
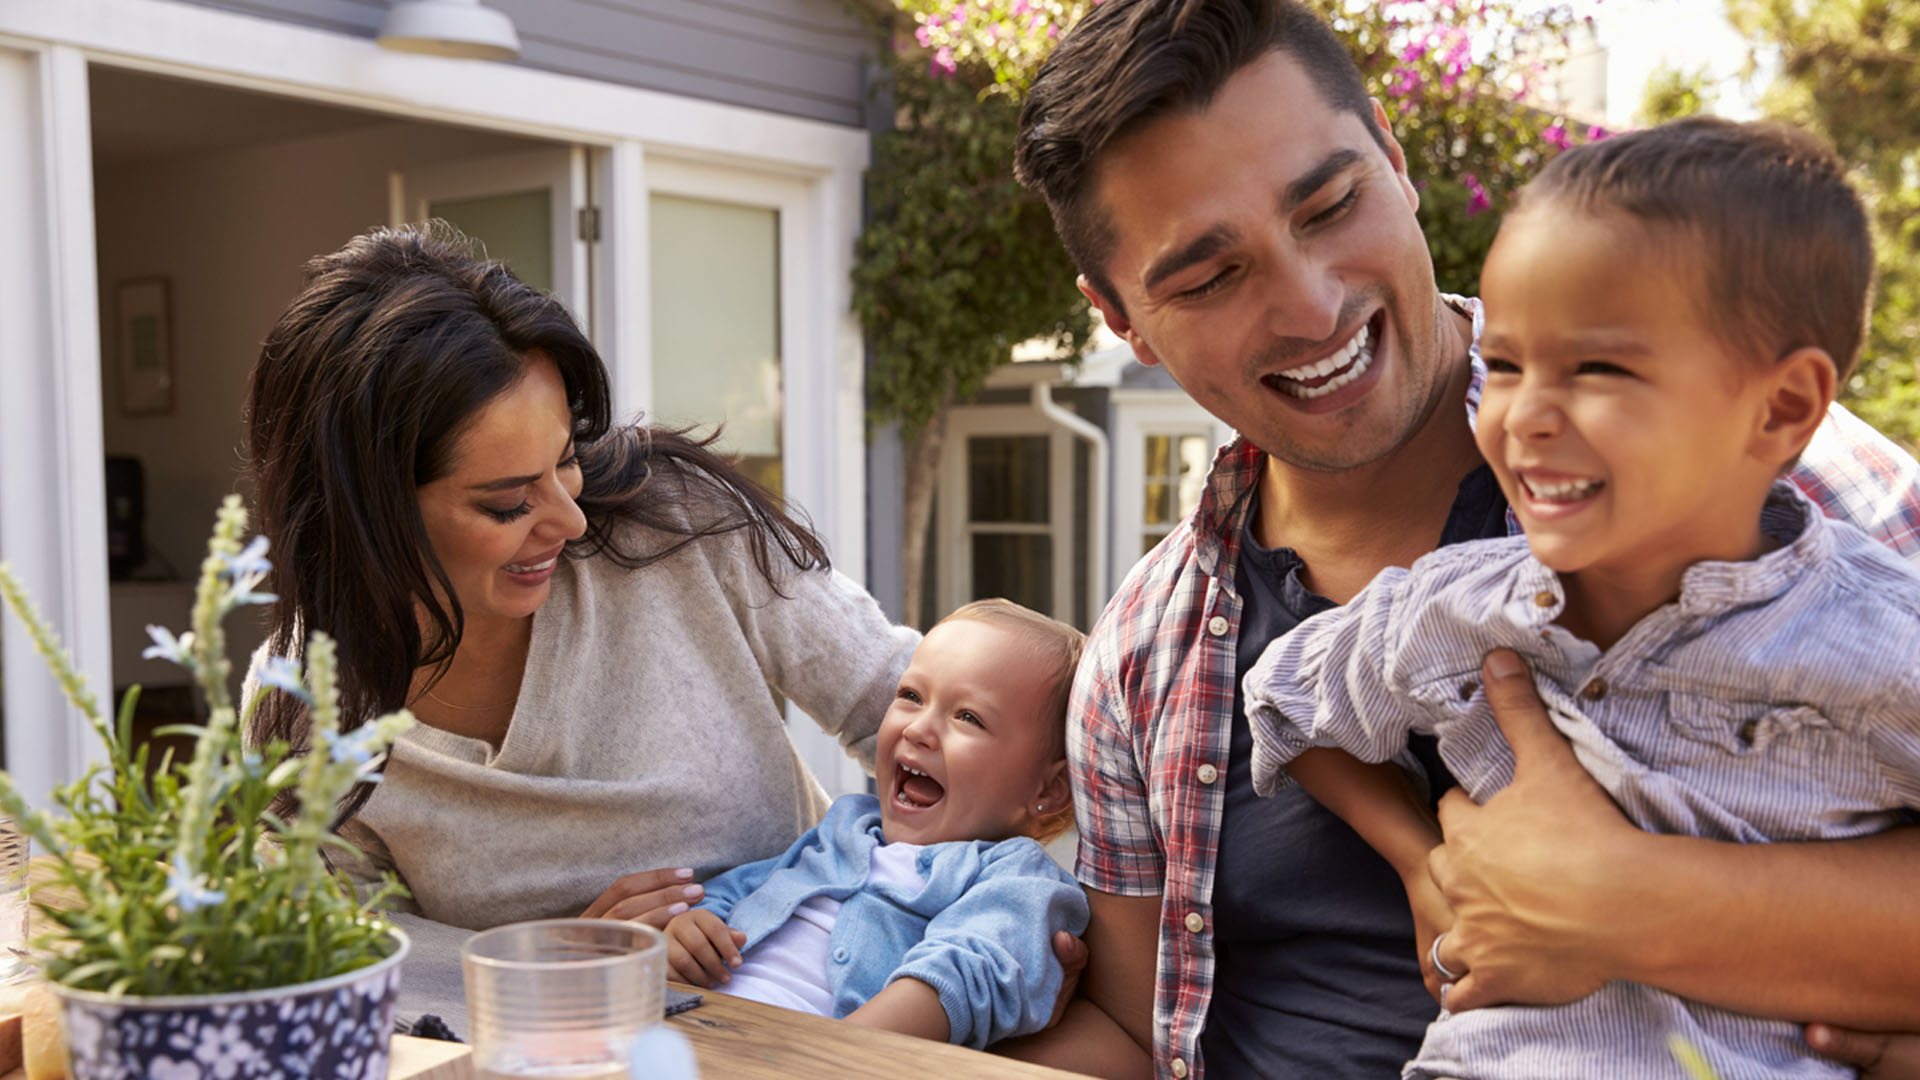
(1776,699)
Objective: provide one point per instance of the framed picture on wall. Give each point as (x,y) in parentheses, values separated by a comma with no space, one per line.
(143,327)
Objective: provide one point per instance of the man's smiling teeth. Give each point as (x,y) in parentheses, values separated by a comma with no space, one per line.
(532,568)
(1562,491)
(1355,357)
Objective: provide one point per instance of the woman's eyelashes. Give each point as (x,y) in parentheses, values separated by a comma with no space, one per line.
(509,515)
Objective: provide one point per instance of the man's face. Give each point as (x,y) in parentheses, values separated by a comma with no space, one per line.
(1266,253)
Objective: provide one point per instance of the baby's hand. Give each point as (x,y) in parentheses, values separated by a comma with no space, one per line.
(1431,917)
(701,947)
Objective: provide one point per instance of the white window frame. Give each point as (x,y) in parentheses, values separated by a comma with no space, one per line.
(54,531)
(1136,415)
(955,584)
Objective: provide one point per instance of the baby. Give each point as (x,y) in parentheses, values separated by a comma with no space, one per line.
(929,910)
(1668,314)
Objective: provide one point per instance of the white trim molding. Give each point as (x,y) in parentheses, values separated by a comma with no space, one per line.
(53,530)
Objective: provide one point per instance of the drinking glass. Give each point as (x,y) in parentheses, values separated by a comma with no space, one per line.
(562,997)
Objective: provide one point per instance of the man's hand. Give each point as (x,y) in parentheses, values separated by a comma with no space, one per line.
(702,948)
(650,896)
(1879,1055)
(1532,876)
(1072,954)
(1432,916)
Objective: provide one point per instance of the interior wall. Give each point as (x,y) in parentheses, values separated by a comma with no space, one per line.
(230,231)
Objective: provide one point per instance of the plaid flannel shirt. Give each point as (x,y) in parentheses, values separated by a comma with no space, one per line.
(1149,723)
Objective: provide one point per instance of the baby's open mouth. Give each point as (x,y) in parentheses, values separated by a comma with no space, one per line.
(915,790)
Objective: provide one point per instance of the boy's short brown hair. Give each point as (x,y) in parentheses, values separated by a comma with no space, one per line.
(1058,644)
(1783,249)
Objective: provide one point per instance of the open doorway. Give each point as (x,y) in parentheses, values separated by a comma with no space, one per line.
(207,202)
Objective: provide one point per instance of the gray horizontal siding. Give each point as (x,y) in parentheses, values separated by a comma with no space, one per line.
(798,57)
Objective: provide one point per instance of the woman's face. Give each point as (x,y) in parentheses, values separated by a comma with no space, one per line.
(500,519)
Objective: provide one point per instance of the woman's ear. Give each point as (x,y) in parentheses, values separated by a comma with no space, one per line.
(1800,387)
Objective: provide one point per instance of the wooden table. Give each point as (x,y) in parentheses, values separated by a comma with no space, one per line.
(736,1039)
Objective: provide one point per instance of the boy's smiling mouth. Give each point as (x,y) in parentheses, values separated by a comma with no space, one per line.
(913,789)
(1551,491)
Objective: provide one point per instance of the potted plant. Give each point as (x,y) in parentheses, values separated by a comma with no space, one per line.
(195,932)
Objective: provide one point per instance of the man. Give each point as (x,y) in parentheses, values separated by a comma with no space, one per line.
(1242,216)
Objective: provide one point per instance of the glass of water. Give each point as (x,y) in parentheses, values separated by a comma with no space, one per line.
(562,997)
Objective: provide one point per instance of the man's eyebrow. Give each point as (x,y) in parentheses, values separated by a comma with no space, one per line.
(1204,247)
(1331,166)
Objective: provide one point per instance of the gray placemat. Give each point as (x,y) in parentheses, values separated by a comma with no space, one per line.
(431,982)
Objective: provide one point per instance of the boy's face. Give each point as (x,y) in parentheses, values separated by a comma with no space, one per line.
(1622,430)
(964,750)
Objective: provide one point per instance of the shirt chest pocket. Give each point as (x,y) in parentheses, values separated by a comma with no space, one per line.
(1766,736)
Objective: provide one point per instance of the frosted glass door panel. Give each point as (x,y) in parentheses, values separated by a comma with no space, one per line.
(516,229)
(716,325)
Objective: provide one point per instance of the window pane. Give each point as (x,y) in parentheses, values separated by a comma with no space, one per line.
(515,229)
(1018,567)
(1159,502)
(1147,540)
(1007,479)
(1159,455)
(716,323)
(1194,454)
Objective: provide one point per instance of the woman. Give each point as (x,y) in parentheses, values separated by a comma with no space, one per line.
(591,622)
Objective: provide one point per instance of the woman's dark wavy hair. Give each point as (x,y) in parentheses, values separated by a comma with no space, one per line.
(363,388)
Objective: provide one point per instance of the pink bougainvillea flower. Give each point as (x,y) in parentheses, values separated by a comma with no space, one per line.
(1477,201)
(1555,135)
(1596,133)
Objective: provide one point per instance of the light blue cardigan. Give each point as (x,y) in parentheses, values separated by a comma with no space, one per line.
(979,932)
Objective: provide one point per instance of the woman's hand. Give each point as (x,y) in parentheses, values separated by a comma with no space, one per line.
(650,896)
(1878,1054)
(1533,876)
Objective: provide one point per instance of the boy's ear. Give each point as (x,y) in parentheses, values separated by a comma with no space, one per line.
(1801,387)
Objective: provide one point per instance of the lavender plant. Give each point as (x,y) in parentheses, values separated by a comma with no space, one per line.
(185,881)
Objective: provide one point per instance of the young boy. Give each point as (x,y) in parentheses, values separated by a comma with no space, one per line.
(930,909)
(1668,314)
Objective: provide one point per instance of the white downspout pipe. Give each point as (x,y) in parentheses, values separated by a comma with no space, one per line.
(1097,460)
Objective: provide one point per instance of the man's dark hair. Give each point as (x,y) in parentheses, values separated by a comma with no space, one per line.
(1784,252)
(1129,62)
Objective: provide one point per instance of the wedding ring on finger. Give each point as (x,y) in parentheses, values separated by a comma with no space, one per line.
(1433,955)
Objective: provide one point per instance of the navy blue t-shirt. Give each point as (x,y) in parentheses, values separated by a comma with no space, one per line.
(1314,967)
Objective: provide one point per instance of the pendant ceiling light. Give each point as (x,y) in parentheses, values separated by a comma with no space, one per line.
(461,28)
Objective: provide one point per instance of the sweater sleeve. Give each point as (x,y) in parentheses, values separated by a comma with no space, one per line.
(989,954)
(1328,683)
(824,644)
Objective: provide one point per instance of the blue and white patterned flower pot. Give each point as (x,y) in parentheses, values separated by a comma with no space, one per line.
(332,1029)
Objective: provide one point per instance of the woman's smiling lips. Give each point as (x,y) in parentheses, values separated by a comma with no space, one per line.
(536,570)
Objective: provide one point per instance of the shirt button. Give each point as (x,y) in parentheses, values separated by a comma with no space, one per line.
(1594,690)
(1207,774)
(840,955)
(1179,1069)
(1195,923)
(1543,598)
(1217,626)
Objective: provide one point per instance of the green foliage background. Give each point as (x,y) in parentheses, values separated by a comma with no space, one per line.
(1850,69)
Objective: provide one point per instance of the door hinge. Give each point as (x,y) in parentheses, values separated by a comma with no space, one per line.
(590,224)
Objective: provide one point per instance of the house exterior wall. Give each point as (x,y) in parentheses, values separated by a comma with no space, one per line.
(804,58)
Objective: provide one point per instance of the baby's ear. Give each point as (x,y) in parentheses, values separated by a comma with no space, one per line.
(1056,793)
(1800,387)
